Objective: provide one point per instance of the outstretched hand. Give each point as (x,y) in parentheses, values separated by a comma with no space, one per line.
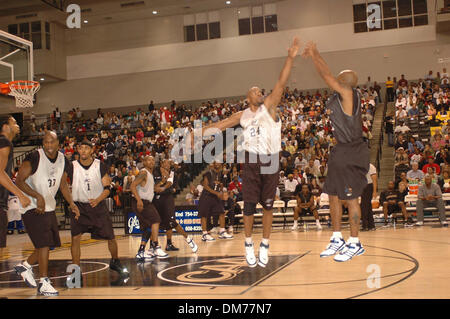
(295,47)
(310,50)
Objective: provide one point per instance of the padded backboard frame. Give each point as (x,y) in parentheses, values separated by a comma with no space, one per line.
(16,51)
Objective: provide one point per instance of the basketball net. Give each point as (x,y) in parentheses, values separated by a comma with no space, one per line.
(24,92)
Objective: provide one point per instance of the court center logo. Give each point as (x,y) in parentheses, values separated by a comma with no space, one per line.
(220,271)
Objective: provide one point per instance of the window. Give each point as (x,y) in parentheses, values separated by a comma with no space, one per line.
(32,31)
(24,31)
(244,26)
(13,29)
(271,22)
(36,36)
(261,19)
(394,14)
(201,26)
(47,36)
(214,30)
(202,31)
(257,25)
(189,33)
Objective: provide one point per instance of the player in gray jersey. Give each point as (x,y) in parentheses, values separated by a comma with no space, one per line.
(349,159)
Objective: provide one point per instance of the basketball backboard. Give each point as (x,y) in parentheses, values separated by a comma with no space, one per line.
(16,64)
(16,58)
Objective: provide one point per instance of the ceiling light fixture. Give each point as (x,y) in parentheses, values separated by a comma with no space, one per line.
(155,12)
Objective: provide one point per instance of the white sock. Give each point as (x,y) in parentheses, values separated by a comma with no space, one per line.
(42,279)
(222,230)
(248,240)
(317,222)
(295,223)
(265,241)
(353,240)
(205,232)
(337,234)
(26,264)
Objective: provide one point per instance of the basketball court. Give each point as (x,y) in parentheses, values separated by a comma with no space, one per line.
(412,263)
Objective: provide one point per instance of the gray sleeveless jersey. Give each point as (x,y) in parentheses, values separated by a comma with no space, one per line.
(346,129)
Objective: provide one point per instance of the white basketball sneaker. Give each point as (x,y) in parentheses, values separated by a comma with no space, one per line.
(207,237)
(159,253)
(335,245)
(192,244)
(250,255)
(263,257)
(27,274)
(351,250)
(225,235)
(46,289)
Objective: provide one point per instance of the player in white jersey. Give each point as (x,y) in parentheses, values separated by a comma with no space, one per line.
(40,176)
(262,143)
(143,189)
(90,187)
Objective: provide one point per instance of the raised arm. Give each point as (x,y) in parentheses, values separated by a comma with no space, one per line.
(322,68)
(229,122)
(324,71)
(272,101)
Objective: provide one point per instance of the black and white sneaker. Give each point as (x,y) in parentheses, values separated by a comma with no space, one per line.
(26,274)
(171,247)
(117,266)
(45,288)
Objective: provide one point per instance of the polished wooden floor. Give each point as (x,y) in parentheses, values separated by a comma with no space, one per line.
(408,263)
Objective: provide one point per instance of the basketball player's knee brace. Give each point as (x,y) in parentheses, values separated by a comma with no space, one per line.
(173,223)
(146,234)
(249,209)
(268,204)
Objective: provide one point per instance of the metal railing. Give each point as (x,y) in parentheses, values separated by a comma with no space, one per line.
(381,141)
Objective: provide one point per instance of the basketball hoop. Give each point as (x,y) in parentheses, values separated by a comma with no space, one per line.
(24,92)
(4,88)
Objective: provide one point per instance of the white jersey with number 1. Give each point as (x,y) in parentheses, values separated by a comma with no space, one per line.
(87,183)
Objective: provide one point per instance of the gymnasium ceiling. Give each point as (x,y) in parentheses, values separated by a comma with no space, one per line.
(111,11)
